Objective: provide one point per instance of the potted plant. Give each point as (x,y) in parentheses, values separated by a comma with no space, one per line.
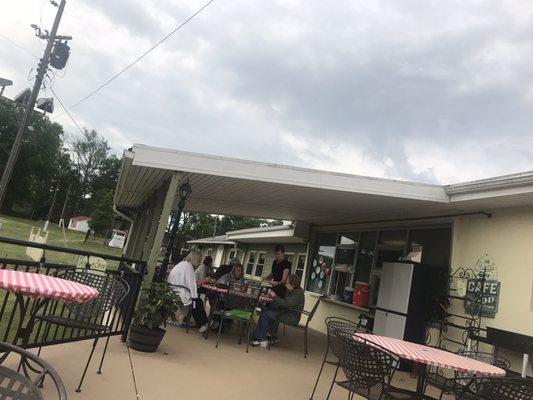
(157,304)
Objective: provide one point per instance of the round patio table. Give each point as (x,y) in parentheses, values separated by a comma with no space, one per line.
(265,298)
(426,355)
(42,288)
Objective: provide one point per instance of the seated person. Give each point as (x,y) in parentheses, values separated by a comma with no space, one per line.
(235,276)
(224,269)
(287,310)
(183,275)
(204,270)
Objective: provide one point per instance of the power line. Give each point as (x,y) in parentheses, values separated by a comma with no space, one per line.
(103,85)
(18,46)
(65,109)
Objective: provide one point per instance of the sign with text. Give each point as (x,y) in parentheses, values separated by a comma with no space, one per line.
(490,293)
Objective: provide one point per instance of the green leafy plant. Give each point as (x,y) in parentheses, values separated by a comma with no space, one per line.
(157,304)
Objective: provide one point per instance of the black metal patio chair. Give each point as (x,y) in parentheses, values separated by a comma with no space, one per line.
(500,388)
(302,326)
(25,385)
(457,384)
(335,345)
(369,371)
(239,306)
(90,315)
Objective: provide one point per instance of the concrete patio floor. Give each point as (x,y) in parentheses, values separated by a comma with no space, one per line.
(190,367)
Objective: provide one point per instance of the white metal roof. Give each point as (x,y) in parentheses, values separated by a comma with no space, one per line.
(241,187)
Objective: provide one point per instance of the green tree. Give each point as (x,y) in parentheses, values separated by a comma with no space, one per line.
(39,164)
(89,157)
(102,217)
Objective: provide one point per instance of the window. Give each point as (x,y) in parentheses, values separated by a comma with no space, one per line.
(250,263)
(321,263)
(260,264)
(300,265)
(429,245)
(232,254)
(365,257)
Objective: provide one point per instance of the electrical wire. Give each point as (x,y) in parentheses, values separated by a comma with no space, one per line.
(65,109)
(18,46)
(103,85)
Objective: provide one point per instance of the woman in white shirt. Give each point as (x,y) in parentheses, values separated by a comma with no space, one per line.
(182,275)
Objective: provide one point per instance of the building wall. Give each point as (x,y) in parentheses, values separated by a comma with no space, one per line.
(507,238)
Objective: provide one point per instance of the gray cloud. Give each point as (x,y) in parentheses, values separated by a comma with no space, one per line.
(419,90)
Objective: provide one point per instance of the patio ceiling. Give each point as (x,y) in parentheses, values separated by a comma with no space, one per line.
(239,187)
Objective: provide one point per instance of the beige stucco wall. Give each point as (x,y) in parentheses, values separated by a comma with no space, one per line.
(507,238)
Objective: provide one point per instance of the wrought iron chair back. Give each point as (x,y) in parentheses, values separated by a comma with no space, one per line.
(364,365)
(112,289)
(337,328)
(506,388)
(24,383)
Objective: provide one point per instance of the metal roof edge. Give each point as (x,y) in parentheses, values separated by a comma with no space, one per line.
(321,179)
(496,183)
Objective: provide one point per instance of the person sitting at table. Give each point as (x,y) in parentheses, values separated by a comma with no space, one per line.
(183,275)
(224,269)
(203,271)
(281,269)
(235,276)
(287,310)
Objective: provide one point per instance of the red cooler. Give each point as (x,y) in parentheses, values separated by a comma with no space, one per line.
(360,294)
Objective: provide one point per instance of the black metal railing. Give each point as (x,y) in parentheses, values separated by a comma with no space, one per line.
(13,316)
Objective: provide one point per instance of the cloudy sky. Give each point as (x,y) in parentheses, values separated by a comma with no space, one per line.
(430,91)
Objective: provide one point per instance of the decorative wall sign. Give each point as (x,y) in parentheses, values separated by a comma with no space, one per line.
(483,290)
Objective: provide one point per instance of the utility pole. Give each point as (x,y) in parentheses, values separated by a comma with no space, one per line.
(51,206)
(61,218)
(41,71)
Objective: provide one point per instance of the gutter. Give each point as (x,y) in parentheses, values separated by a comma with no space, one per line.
(121,214)
(499,183)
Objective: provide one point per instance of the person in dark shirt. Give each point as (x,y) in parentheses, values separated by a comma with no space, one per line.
(281,268)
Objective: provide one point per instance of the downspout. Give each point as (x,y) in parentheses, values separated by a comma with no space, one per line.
(121,214)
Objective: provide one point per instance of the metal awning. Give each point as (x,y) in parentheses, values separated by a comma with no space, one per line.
(239,187)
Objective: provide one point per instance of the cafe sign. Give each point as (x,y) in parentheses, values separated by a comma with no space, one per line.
(484,293)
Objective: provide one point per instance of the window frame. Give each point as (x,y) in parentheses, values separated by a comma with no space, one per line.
(264,253)
(248,262)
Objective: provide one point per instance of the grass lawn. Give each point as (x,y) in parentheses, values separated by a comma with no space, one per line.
(18,228)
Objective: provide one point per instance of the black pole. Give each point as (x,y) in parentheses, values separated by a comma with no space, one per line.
(184,191)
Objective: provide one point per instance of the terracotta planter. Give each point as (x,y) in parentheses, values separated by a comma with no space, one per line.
(145,339)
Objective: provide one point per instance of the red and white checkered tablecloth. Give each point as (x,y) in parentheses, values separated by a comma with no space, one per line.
(39,285)
(264,297)
(430,355)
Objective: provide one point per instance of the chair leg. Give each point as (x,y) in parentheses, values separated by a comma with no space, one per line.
(305,342)
(219,330)
(333,382)
(318,377)
(87,365)
(248,336)
(241,331)
(188,320)
(99,372)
